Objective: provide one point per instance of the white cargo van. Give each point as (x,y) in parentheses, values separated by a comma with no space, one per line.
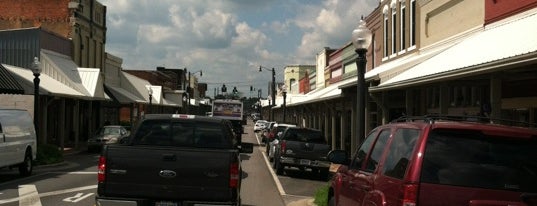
(17,140)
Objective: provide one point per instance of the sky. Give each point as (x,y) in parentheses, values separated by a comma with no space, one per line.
(229,39)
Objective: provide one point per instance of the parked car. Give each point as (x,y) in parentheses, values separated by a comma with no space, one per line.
(259,125)
(18,141)
(110,134)
(265,132)
(427,161)
(273,140)
(302,148)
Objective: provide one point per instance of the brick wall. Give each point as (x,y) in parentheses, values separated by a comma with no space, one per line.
(51,15)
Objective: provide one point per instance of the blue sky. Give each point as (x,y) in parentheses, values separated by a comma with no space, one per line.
(229,39)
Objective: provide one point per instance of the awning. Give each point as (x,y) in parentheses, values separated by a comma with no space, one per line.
(8,83)
(499,46)
(123,96)
(47,85)
(136,86)
(330,92)
(87,81)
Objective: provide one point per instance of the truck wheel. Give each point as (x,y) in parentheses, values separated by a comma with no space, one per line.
(25,168)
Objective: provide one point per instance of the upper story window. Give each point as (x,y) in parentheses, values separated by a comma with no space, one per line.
(394,26)
(412,22)
(385,31)
(402,31)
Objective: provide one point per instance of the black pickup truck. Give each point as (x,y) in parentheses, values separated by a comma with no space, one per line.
(173,160)
(302,148)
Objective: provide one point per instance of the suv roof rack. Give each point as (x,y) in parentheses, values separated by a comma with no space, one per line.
(431,118)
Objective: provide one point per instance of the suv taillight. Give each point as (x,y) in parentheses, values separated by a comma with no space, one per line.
(283,145)
(234,175)
(410,194)
(101,168)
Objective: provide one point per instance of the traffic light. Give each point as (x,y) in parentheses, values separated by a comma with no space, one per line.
(224,88)
(235,91)
(251,88)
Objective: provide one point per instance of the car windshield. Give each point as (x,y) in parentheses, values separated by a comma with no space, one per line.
(110,131)
(472,159)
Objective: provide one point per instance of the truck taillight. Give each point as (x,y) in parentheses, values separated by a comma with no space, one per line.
(234,175)
(283,145)
(101,168)
(410,194)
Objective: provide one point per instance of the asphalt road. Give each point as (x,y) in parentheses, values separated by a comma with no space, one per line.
(73,182)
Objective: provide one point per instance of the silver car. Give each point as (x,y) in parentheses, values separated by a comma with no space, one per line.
(110,134)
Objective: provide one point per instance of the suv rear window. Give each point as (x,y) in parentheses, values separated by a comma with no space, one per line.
(472,159)
(183,134)
(304,135)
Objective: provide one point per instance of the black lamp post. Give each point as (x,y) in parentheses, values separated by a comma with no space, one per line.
(284,92)
(36,69)
(361,39)
(150,90)
(272,88)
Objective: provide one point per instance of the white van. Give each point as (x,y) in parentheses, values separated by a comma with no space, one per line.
(18,142)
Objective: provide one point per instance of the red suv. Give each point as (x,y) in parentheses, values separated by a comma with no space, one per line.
(438,161)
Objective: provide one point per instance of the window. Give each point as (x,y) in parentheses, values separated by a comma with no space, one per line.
(469,158)
(412,22)
(385,32)
(403,28)
(399,153)
(376,153)
(394,27)
(362,151)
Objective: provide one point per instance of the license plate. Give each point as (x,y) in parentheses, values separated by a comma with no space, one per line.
(166,203)
(305,162)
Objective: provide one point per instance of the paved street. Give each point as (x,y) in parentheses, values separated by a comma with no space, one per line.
(73,182)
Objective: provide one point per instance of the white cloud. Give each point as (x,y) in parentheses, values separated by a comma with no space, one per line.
(228,39)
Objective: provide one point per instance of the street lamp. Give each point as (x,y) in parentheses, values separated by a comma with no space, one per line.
(150,90)
(284,92)
(36,69)
(272,88)
(361,38)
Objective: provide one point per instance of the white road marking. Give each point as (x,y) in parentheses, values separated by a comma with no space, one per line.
(58,192)
(28,196)
(77,197)
(75,173)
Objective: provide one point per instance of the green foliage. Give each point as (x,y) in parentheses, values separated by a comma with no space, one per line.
(321,196)
(48,154)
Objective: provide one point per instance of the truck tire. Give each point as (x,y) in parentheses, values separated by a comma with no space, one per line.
(26,167)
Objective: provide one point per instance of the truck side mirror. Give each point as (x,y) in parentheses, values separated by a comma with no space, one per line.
(246,148)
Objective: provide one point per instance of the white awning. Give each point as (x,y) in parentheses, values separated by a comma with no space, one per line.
(87,81)
(47,85)
(123,96)
(498,47)
(330,92)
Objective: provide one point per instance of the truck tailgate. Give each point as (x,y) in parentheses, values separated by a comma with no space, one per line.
(308,150)
(168,173)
